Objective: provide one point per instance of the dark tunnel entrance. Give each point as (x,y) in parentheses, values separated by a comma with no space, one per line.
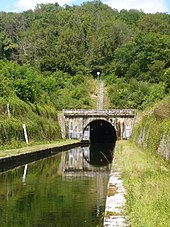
(101,131)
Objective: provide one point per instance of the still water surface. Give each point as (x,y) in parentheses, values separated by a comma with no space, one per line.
(67,189)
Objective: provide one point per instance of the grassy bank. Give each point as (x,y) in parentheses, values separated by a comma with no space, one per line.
(40,120)
(39,113)
(147,181)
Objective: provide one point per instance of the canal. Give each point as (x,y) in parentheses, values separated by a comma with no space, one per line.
(67,189)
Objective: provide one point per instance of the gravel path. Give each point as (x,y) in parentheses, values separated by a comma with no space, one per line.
(100,95)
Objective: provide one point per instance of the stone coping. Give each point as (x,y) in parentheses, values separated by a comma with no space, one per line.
(111,112)
(115,201)
(28,154)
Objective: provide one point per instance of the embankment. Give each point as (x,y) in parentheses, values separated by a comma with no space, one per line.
(146,179)
(152,129)
(15,157)
(40,120)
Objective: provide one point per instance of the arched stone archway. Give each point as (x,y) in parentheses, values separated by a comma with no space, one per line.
(99,131)
(74,122)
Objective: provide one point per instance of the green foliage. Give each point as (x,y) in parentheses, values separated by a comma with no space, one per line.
(82,37)
(34,99)
(46,56)
(144,57)
(166,77)
(41,122)
(30,85)
(133,94)
(132,16)
(157,23)
(162,110)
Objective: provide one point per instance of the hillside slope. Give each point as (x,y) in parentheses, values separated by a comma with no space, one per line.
(152,129)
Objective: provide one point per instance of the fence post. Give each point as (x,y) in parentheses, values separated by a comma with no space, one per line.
(25,133)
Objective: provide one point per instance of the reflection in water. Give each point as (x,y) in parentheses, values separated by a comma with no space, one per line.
(99,154)
(67,189)
(24,175)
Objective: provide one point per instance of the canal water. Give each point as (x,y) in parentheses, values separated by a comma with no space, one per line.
(67,189)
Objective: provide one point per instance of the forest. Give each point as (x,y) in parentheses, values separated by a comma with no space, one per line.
(49,57)
(49,52)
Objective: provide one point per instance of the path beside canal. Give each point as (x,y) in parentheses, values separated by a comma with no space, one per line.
(144,181)
(33,148)
(16,157)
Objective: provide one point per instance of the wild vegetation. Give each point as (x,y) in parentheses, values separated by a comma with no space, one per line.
(146,179)
(153,129)
(48,57)
(41,123)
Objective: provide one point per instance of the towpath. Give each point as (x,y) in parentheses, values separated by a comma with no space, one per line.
(100,95)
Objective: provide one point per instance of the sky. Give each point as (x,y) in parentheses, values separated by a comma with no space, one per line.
(147,6)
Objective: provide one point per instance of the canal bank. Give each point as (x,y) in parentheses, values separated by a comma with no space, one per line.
(14,157)
(142,174)
(115,201)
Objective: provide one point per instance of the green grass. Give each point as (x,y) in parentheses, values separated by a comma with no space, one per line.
(147,181)
(41,123)
(34,147)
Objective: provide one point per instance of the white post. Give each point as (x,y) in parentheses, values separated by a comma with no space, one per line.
(25,133)
(8,110)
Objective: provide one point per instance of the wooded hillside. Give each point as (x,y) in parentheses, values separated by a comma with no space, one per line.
(47,54)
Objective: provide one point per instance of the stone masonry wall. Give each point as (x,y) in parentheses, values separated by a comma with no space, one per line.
(153,135)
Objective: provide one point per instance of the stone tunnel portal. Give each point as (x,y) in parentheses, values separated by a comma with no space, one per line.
(100,131)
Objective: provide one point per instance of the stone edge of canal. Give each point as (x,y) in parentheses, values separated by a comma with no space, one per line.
(115,200)
(16,160)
